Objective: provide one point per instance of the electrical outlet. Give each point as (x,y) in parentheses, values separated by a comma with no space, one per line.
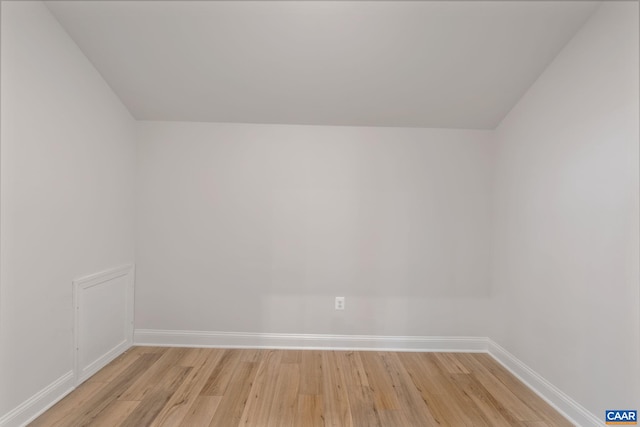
(339,303)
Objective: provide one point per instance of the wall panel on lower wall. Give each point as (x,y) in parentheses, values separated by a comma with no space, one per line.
(103,321)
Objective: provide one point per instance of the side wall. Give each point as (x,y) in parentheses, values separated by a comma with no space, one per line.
(256,228)
(566,218)
(67,170)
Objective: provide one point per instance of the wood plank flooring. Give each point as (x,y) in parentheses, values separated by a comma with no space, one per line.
(153,386)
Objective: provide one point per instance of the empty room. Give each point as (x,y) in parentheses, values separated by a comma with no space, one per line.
(319,213)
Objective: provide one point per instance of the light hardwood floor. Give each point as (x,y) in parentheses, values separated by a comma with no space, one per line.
(152,386)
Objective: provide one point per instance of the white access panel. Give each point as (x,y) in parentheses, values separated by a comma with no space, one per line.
(103,306)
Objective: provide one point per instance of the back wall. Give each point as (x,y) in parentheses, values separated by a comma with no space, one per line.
(256,228)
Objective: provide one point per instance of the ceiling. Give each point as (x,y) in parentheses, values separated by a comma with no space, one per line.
(442,64)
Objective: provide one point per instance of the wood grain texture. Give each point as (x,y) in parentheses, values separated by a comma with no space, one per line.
(152,386)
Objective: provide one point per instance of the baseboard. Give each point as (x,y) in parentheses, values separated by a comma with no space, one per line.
(307,341)
(571,409)
(40,402)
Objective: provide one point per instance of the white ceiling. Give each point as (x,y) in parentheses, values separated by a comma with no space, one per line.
(454,64)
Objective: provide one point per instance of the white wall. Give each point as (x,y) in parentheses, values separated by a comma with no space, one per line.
(256,228)
(67,194)
(566,218)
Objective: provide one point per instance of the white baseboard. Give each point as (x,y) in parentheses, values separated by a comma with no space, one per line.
(307,341)
(40,402)
(571,409)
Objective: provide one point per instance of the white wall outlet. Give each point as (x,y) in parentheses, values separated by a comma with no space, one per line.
(339,303)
